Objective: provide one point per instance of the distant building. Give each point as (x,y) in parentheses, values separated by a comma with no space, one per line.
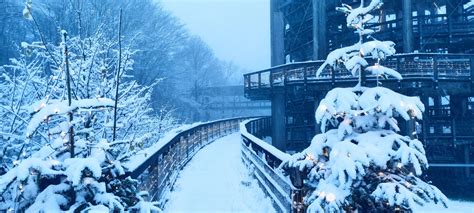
(228,102)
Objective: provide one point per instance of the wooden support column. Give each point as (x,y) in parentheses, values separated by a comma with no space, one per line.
(279,119)
(319,29)
(420,12)
(383,19)
(277,31)
(454,11)
(407,26)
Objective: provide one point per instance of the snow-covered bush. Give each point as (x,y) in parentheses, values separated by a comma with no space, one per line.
(60,155)
(360,162)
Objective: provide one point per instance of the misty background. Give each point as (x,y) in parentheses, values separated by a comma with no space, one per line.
(193,53)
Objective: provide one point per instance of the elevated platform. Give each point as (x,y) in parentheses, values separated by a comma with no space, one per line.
(422,73)
(444,83)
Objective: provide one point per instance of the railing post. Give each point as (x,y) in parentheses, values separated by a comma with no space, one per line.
(271,78)
(435,71)
(297,193)
(472,71)
(305,76)
(398,64)
(453,130)
(184,143)
(333,76)
(247,81)
(259,80)
(220,128)
(158,167)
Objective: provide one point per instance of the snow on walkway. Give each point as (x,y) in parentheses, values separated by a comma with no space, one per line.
(216,180)
(454,206)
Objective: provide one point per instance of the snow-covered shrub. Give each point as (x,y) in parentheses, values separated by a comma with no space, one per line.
(38,172)
(360,162)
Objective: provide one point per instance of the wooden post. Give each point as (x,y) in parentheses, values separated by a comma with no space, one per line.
(277,30)
(259,80)
(278,119)
(297,192)
(319,29)
(407,26)
(421,22)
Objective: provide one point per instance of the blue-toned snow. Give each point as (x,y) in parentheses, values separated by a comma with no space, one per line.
(453,207)
(216,180)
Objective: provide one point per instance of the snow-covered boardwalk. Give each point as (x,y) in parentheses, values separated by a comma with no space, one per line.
(216,180)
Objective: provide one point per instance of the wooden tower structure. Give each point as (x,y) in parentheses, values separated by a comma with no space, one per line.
(435,42)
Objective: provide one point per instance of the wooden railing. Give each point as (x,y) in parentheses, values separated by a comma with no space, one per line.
(411,66)
(264,160)
(287,191)
(158,166)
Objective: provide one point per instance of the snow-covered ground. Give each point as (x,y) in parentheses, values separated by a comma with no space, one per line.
(215,180)
(453,207)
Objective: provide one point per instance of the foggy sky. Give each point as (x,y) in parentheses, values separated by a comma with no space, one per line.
(237,30)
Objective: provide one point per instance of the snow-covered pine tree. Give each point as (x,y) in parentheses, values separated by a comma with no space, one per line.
(360,162)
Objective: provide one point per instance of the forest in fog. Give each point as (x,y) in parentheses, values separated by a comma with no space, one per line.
(161,51)
(84,86)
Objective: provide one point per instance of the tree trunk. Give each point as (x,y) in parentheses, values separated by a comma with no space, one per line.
(68,84)
(117,81)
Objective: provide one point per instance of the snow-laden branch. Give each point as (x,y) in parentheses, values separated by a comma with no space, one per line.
(44,111)
(379,102)
(357,16)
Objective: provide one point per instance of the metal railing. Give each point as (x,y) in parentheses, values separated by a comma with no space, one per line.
(411,66)
(264,160)
(158,171)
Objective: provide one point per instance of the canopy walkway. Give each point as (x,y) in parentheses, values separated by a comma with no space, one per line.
(215,180)
(214,167)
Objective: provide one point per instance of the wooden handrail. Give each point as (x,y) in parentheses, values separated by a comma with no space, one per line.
(157,167)
(264,160)
(414,65)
